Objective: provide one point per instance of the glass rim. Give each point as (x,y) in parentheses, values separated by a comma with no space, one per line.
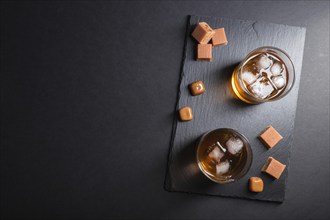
(246,167)
(285,92)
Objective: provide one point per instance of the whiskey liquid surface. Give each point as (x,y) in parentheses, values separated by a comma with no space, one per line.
(262,76)
(222,154)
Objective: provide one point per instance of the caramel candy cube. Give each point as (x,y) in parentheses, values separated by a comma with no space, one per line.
(273,168)
(204,52)
(203,33)
(219,37)
(270,137)
(197,88)
(256,184)
(186,114)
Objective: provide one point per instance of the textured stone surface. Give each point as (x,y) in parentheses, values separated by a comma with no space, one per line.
(218,109)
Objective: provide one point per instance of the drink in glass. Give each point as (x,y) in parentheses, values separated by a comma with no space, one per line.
(266,74)
(224,155)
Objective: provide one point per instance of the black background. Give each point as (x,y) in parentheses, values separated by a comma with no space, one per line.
(88,91)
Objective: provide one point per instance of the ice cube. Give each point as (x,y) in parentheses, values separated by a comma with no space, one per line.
(278,81)
(262,88)
(263,62)
(249,77)
(216,154)
(276,69)
(234,145)
(223,167)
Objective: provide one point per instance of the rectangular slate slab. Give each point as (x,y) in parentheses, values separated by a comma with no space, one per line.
(218,109)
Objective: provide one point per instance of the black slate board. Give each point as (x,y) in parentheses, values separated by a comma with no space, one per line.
(218,109)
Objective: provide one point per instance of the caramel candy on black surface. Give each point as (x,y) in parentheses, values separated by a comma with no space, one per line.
(256,184)
(204,52)
(270,137)
(273,168)
(186,114)
(197,88)
(203,33)
(219,38)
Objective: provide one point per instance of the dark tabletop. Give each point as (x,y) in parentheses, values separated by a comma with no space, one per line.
(88,91)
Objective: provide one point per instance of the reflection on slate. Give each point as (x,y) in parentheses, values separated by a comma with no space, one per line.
(217,108)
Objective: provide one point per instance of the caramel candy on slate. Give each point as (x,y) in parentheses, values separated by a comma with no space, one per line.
(186,114)
(204,52)
(203,33)
(197,88)
(273,168)
(270,137)
(256,184)
(219,37)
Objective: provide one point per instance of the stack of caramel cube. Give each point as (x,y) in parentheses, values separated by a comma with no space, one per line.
(207,39)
